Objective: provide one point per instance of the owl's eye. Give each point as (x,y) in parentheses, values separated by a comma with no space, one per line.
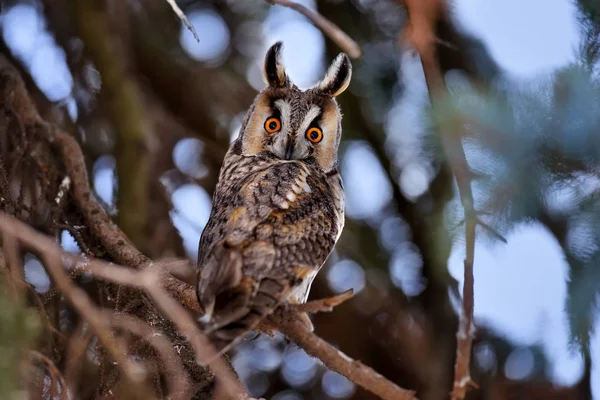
(272,125)
(314,134)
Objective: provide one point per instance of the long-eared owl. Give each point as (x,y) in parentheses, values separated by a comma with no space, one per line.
(278,208)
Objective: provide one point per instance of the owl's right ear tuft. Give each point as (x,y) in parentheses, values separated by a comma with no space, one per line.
(338,76)
(274,70)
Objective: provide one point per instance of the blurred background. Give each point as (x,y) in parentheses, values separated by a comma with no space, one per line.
(154,111)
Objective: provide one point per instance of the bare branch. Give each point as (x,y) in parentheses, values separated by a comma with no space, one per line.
(183,18)
(288,322)
(116,243)
(147,280)
(178,382)
(420,33)
(77,297)
(339,37)
(285,319)
(54,374)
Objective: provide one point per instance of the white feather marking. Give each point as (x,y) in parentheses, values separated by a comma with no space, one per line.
(286,110)
(306,187)
(308,118)
(291,196)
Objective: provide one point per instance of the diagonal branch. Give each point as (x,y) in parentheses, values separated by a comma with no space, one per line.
(286,319)
(334,32)
(183,18)
(97,220)
(289,323)
(147,280)
(77,298)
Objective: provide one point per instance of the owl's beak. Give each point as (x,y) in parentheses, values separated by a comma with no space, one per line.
(289,150)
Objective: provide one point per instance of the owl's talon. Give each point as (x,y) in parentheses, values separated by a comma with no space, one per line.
(208,312)
(305,320)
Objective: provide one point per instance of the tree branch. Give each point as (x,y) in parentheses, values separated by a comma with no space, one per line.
(345,42)
(420,33)
(288,322)
(183,18)
(148,280)
(286,319)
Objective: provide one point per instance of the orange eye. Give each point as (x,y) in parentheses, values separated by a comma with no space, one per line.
(314,134)
(272,125)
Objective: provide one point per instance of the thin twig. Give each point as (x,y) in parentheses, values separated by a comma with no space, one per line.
(177,382)
(420,33)
(183,18)
(108,238)
(335,33)
(76,353)
(54,374)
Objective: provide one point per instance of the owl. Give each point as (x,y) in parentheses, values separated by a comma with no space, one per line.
(278,208)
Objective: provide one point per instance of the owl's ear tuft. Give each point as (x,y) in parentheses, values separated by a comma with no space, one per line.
(338,76)
(274,70)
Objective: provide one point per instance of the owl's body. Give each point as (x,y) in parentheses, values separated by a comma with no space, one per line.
(278,208)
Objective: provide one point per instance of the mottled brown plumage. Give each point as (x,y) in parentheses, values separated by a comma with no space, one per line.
(278,208)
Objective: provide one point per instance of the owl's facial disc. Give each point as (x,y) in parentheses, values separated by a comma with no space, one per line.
(299,134)
(292,124)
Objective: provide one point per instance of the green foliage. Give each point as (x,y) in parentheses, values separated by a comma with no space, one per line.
(19,327)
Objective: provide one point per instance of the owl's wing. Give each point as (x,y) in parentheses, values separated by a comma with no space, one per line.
(278,232)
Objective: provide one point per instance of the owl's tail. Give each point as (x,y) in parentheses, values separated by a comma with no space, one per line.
(262,299)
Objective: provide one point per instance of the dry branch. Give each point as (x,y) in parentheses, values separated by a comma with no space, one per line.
(52,257)
(106,237)
(183,18)
(147,280)
(54,374)
(339,37)
(285,320)
(420,33)
(178,383)
(289,323)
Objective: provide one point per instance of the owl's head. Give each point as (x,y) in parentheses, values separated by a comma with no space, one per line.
(290,124)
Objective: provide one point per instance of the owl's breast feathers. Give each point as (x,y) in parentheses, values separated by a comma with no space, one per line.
(272,226)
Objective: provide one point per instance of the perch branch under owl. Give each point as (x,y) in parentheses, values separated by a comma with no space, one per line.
(285,320)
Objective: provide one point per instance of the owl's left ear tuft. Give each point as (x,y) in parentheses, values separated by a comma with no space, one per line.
(274,69)
(338,76)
